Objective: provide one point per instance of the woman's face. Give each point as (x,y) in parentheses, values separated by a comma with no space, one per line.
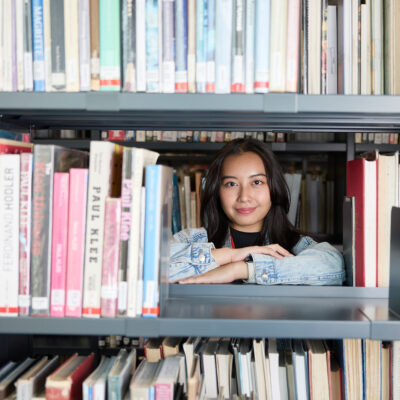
(244,191)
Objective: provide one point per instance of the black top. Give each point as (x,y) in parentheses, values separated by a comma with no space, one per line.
(244,239)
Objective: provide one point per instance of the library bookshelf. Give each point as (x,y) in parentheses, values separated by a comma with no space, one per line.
(227,310)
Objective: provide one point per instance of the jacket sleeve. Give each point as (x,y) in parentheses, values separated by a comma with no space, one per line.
(313,264)
(190,254)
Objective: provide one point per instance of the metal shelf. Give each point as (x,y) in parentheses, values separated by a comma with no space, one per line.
(275,111)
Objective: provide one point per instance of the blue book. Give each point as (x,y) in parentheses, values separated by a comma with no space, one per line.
(201,42)
(181,43)
(11,135)
(262,35)
(157,235)
(39,84)
(176,214)
(210,51)
(152,47)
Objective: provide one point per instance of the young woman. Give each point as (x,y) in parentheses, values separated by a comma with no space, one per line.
(246,233)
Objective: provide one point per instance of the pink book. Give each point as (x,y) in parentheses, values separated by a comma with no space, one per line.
(111,243)
(78,184)
(25,204)
(59,244)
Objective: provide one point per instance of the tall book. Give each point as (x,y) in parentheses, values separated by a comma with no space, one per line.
(331,56)
(142,382)
(58,74)
(84,44)
(314,46)
(168,46)
(262,43)
(293,46)
(27,31)
(157,236)
(167,377)
(181,46)
(48,159)
(19,32)
(103,169)
(223,46)
(366,48)
(201,45)
(78,187)
(47,43)
(344,42)
(39,72)
(110,50)
(9,47)
(111,245)
(191,56)
(361,183)
(210,47)
(94,45)
(141,45)
(238,41)
(152,46)
(25,213)
(249,53)
(59,244)
(128,18)
(71,34)
(129,272)
(377,46)
(9,250)
(278,43)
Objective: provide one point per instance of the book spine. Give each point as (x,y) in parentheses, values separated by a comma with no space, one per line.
(210,47)
(168,46)
(58,77)
(223,46)
(262,45)
(191,60)
(129,45)
(101,158)
(39,72)
(139,284)
(201,41)
(152,242)
(141,45)
(324,46)
(84,44)
(152,44)
(181,41)
(25,205)
(76,239)
(377,46)
(1,51)
(365,49)
(14,76)
(8,25)
(293,46)
(238,29)
(9,249)
(71,35)
(331,57)
(111,249)
(19,27)
(110,51)
(47,43)
(28,56)
(42,208)
(126,203)
(59,244)
(94,45)
(249,45)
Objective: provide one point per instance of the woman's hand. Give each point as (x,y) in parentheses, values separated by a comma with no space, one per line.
(224,274)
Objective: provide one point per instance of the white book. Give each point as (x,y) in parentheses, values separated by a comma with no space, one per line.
(141,45)
(9,233)
(210,368)
(377,46)
(188,348)
(7,60)
(140,159)
(224,361)
(274,369)
(259,355)
(84,44)
(238,42)
(71,45)
(19,12)
(223,44)
(191,50)
(355,73)
(1,51)
(331,56)
(47,43)
(279,9)
(100,174)
(396,369)
(283,379)
(293,46)
(166,378)
(168,47)
(139,286)
(314,46)
(249,54)
(142,382)
(300,370)
(94,386)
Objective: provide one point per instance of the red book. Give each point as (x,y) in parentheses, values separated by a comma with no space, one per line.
(116,135)
(65,383)
(109,276)
(8,146)
(361,183)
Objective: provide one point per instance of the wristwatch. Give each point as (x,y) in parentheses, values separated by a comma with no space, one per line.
(250,268)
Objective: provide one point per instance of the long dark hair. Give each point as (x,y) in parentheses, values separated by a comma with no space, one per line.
(276,225)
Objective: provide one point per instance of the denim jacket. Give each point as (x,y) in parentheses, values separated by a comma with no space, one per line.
(314,263)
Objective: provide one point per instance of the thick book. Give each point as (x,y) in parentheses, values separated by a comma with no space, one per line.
(372,368)
(152,46)
(361,183)
(314,46)
(210,368)
(168,47)
(59,240)
(262,46)
(157,236)
(365,44)
(39,84)
(293,46)
(9,233)
(103,170)
(128,21)
(84,44)
(141,385)
(71,35)
(153,350)
(65,383)
(224,363)
(166,379)
(377,49)
(94,45)
(110,46)
(9,146)
(181,46)
(58,74)
(78,188)
(48,159)
(25,214)
(141,45)
(111,246)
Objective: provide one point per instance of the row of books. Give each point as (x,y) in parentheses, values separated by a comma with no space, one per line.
(223,368)
(78,237)
(372,190)
(205,46)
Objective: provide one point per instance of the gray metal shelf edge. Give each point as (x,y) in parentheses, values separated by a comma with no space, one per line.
(119,110)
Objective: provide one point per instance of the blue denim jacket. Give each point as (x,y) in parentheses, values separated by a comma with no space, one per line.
(314,263)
